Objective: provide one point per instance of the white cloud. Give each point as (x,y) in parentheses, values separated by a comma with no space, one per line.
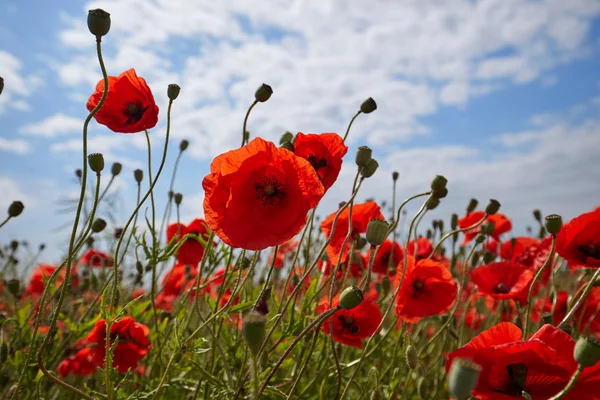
(11,191)
(55,125)
(17,87)
(15,146)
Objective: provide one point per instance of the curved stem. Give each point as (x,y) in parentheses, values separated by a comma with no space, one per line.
(246,122)
(570,385)
(5,221)
(450,233)
(350,124)
(586,291)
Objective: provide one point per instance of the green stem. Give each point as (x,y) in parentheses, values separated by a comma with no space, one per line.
(570,385)
(350,124)
(246,122)
(450,233)
(586,291)
(5,221)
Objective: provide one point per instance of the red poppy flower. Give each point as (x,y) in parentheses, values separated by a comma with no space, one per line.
(387,259)
(258,196)
(78,363)
(428,289)
(177,280)
(95,258)
(40,275)
(286,250)
(545,305)
(358,265)
(541,366)
(324,152)
(503,280)
(351,326)
(501,225)
(423,248)
(515,249)
(578,242)
(191,251)
(361,215)
(129,106)
(133,344)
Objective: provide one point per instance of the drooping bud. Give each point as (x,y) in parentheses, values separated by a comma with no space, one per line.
(587,351)
(15,209)
(253,329)
(98,22)
(479,238)
(183,145)
(363,156)
(351,297)
(411,357)
(432,203)
(14,285)
(116,169)
(472,205)
(395,176)
(438,183)
(263,93)
(368,106)
(178,197)
(454,221)
(98,225)
(492,207)
(488,228)
(138,174)
(96,162)
(288,145)
(78,173)
(286,137)
(377,231)
(139,268)
(553,224)
(14,245)
(173,91)
(370,168)
(488,257)
(537,214)
(462,378)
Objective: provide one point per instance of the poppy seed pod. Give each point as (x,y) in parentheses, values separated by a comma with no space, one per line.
(411,357)
(139,268)
(178,198)
(537,214)
(395,175)
(370,168)
(173,91)
(351,297)
(553,224)
(488,228)
(363,156)
(480,239)
(14,245)
(438,183)
(472,205)
(253,329)
(462,378)
(287,145)
(1,84)
(14,285)
(454,221)
(116,169)
(492,207)
(547,318)
(286,137)
(98,22)
(377,231)
(440,194)
(368,106)
(183,145)
(587,351)
(263,93)
(432,203)
(96,162)
(98,225)
(15,209)
(138,174)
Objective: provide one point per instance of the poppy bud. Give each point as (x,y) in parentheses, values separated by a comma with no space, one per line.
(42,246)
(454,221)
(386,285)
(370,168)
(542,232)
(440,194)
(351,297)
(411,357)
(462,378)
(537,214)
(3,352)
(547,318)
(96,162)
(429,234)
(488,257)
(138,175)
(438,183)
(553,224)
(1,84)
(178,198)
(89,242)
(253,329)
(288,145)
(173,91)
(98,22)
(183,145)
(78,173)
(568,329)
(139,268)
(263,93)
(116,169)
(98,225)
(14,285)
(363,156)
(492,207)
(480,239)
(472,205)
(286,137)
(488,228)
(377,231)
(368,106)
(15,209)
(395,176)
(587,351)
(14,245)
(432,203)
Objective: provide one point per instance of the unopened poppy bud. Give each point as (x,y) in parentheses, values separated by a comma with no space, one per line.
(368,106)
(178,198)
(286,137)
(116,169)
(395,176)
(263,93)
(440,194)
(78,173)
(553,224)
(363,156)
(492,207)
(1,84)
(547,318)
(89,242)
(183,145)
(429,234)
(15,209)
(3,352)
(138,174)
(475,259)
(537,214)
(253,329)
(542,232)
(386,285)
(411,357)
(432,203)
(454,221)
(139,267)
(98,225)
(370,168)
(488,228)
(377,231)
(351,297)
(14,245)
(96,162)
(14,285)
(288,145)
(98,22)
(462,378)
(587,351)
(438,183)
(568,329)
(480,239)
(488,257)
(173,91)
(472,205)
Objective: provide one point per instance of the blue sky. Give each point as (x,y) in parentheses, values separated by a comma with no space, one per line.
(500,96)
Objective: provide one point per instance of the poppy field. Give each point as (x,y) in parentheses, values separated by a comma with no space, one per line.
(270,296)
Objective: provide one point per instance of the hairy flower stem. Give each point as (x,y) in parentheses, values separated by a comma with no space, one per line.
(350,124)
(586,291)
(255,102)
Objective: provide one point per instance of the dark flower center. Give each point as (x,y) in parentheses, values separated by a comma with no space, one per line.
(269,191)
(317,163)
(518,378)
(348,324)
(134,111)
(501,288)
(418,285)
(590,250)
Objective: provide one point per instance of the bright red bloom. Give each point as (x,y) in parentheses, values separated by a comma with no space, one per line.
(350,326)
(503,280)
(423,248)
(324,152)
(40,275)
(428,289)
(79,363)
(177,280)
(514,249)
(543,305)
(578,242)
(541,366)
(258,196)
(358,265)
(129,106)
(361,215)
(133,344)
(191,251)
(501,225)
(387,259)
(95,258)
